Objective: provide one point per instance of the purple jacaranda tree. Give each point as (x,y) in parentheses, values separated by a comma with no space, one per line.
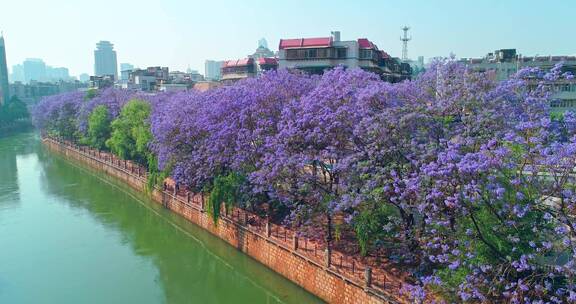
(496,202)
(242,124)
(58,115)
(308,162)
(178,134)
(224,130)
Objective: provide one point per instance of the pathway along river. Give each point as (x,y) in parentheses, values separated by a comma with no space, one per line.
(72,235)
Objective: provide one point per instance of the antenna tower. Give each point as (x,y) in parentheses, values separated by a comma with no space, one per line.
(405,40)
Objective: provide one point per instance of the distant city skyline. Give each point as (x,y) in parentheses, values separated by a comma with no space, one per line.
(438,28)
(35,69)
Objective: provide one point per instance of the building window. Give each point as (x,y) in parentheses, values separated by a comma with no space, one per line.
(365,54)
(320,53)
(291,54)
(311,53)
(563,103)
(341,53)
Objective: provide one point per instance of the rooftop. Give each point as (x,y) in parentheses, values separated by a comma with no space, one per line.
(267,60)
(237,62)
(305,42)
(364,43)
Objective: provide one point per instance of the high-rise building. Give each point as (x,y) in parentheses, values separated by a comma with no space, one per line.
(125,69)
(212,69)
(84,77)
(34,69)
(17,73)
(4,89)
(57,74)
(105,60)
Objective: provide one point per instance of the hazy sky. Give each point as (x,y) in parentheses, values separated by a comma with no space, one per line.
(179,34)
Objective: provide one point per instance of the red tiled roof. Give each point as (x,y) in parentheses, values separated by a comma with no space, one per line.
(290,43)
(305,42)
(268,60)
(364,43)
(238,62)
(325,41)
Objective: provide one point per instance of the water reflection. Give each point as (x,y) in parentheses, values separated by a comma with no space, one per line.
(10,149)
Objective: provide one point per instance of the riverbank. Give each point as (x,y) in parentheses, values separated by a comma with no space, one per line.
(271,245)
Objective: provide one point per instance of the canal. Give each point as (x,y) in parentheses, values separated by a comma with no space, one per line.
(72,235)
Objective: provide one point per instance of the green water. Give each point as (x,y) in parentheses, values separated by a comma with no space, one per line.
(71,235)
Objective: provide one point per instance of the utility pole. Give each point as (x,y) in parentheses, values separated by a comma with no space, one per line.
(405,40)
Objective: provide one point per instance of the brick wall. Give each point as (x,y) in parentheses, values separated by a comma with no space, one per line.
(271,250)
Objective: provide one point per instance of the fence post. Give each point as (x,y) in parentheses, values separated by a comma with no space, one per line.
(268,228)
(368,276)
(295,242)
(328,256)
(188,197)
(202,202)
(245,218)
(328,251)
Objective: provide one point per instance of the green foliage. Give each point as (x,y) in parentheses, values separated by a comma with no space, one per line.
(98,127)
(17,109)
(12,111)
(488,235)
(155,176)
(131,132)
(91,93)
(369,225)
(67,125)
(558,116)
(225,189)
(338,232)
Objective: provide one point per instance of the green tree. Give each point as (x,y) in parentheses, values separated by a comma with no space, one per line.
(225,189)
(131,133)
(91,93)
(13,110)
(3,116)
(98,127)
(16,109)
